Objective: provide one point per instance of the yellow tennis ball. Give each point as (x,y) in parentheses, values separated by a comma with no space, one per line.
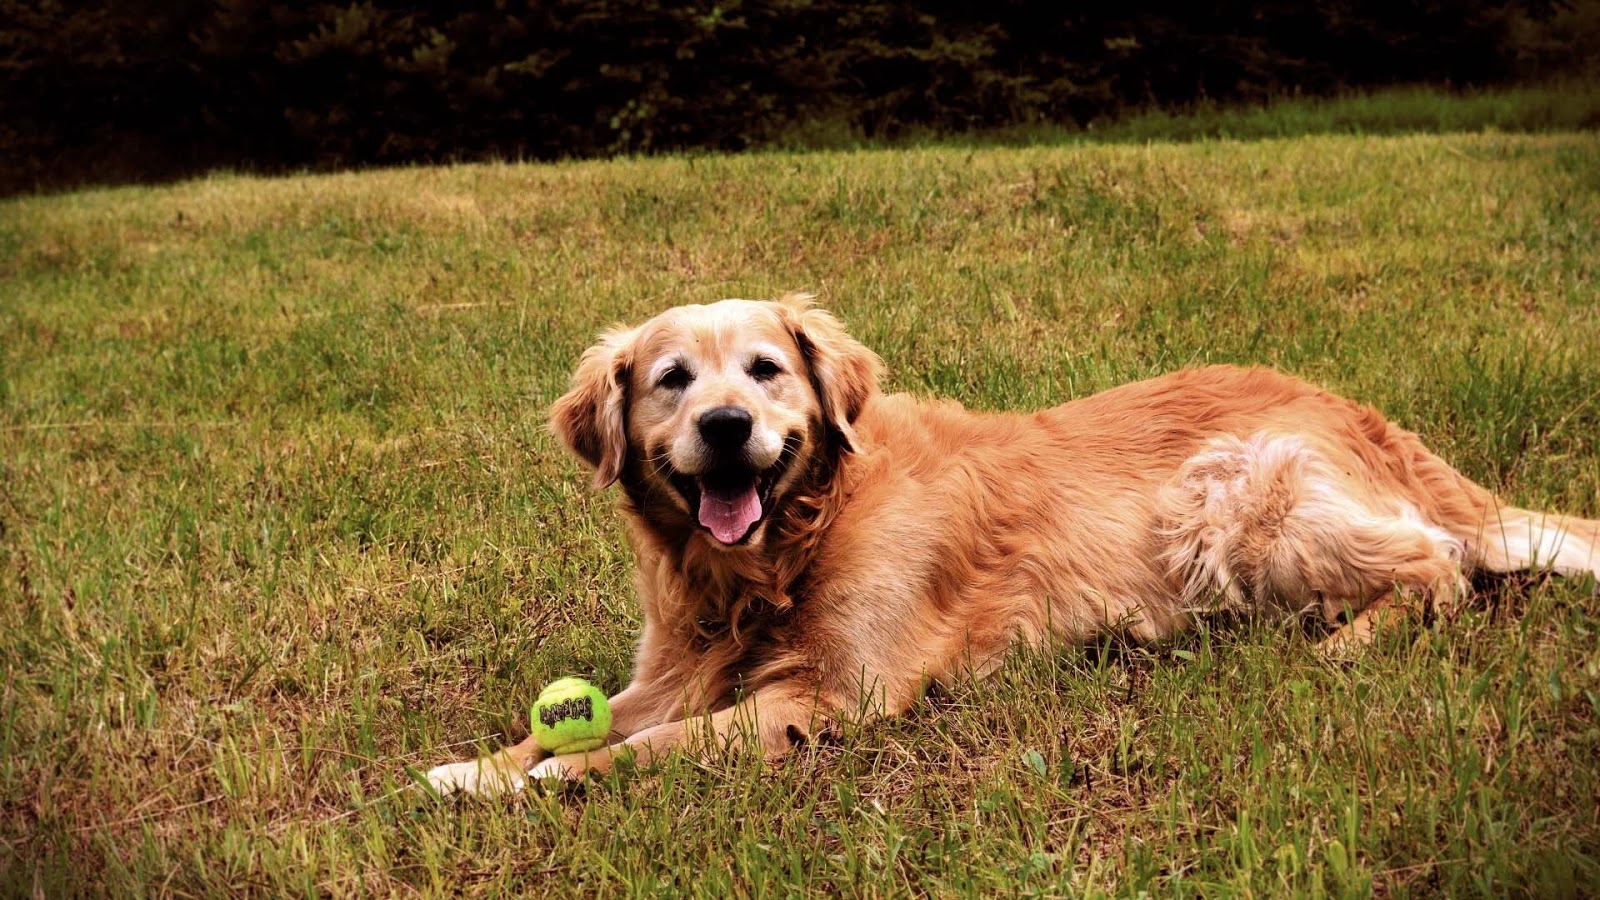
(570,715)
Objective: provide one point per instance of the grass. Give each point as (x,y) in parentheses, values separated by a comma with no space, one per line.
(1570,104)
(279,522)
(1399,110)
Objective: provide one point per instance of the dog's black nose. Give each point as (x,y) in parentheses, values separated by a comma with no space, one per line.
(725,427)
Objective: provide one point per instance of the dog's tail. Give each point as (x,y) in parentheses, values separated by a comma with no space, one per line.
(1513,539)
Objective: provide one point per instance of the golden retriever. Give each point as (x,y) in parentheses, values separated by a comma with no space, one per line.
(809,548)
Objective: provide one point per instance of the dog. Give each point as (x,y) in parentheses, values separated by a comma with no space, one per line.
(809,548)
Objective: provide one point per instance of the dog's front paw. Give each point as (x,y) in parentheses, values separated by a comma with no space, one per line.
(477,776)
(554,769)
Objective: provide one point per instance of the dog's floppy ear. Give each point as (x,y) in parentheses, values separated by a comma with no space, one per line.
(592,417)
(843,371)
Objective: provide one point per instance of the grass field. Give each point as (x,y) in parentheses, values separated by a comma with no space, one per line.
(280,523)
(1561,105)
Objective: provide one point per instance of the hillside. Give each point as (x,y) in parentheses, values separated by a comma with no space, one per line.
(280,521)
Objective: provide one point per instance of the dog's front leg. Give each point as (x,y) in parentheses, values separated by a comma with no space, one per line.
(773,719)
(644,704)
(637,707)
(501,772)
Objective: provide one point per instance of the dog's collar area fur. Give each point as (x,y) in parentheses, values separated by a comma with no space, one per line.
(754,614)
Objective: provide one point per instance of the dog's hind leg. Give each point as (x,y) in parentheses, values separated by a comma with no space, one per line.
(1496,538)
(1513,540)
(1270,523)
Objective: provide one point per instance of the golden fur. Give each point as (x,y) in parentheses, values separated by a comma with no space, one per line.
(909,541)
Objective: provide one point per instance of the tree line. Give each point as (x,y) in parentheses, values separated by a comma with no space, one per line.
(160,87)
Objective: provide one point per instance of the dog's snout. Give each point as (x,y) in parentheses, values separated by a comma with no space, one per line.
(725,427)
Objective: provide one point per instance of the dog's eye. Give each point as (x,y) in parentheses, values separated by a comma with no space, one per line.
(763,369)
(675,379)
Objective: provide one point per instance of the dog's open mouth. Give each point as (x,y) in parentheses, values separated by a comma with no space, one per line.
(731,501)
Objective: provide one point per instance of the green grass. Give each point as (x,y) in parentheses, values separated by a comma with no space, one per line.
(1402,110)
(1563,105)
(279,522)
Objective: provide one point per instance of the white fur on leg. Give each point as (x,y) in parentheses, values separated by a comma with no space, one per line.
(1528,540)
(476,776)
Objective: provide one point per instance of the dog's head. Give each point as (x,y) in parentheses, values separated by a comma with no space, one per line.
(714,412)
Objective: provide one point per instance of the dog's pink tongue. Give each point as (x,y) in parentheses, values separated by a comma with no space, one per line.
(729,512)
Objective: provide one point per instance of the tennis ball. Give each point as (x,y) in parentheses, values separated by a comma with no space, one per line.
(570,715)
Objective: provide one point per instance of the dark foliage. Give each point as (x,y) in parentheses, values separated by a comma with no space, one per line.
(155,87)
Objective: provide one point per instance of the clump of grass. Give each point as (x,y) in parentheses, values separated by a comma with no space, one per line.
(279,522)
